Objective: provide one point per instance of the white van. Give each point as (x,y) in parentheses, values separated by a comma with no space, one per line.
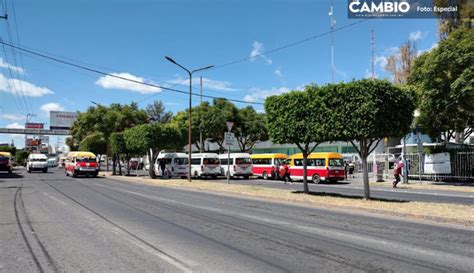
(37,162)
(240,164)
(176,165)
(206,164)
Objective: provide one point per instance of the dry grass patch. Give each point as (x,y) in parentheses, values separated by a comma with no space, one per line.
(451,213)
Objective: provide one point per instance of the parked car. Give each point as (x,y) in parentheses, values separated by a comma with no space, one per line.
(6,163)
(37,162)
(240,164)
(205,164)
(52,162)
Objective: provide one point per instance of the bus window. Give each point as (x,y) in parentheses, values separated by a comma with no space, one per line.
(337,162)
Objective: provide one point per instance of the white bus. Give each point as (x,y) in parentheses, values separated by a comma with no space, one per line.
(176,164)
(206,164)
(240,164)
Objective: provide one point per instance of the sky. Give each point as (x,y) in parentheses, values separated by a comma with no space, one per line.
(131,39)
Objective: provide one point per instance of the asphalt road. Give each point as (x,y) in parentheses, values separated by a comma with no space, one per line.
(53,223)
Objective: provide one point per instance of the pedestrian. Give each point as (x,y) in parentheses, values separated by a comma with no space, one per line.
(346,169)
(285,172)
(397,170)
(351,169)
(163,168)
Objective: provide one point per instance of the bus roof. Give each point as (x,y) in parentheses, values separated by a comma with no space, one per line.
(205,155)
(269,156)
(318,155)
(234,155)
(81,154)
(5,154)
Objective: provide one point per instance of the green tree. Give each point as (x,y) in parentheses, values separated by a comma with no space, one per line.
(450,21)
(95,143)
(21,156)
(250,128)
(364,112)
(157,113)
(299,117)
(107,120)
(151,138)
(444,80)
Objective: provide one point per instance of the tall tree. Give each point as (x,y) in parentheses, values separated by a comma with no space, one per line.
(299,117)
(157,113)
(444,80)
(400,63)
(250,128)
(364,112)
(94,142)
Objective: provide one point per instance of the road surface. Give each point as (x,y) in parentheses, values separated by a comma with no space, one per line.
(53,223)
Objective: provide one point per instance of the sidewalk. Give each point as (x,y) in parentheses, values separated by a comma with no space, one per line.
(415,184)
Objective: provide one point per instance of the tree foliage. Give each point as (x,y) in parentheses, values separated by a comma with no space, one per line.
(151,138)
(400,63)
(450,21)
(299,117)
(157,113)
(94,142)
(365,112)
(250,128)
(444,80)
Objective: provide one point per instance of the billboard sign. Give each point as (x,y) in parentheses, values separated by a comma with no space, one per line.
(31,125)
(437,163)
(61,120)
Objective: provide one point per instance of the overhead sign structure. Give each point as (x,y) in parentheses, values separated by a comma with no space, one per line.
(61,120)
(229,139)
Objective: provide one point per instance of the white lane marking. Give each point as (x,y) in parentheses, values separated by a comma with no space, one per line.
(54,198)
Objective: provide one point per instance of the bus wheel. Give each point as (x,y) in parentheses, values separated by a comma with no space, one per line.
(246,177)
(316,179)
(74,174)
(196,173)
(265,175)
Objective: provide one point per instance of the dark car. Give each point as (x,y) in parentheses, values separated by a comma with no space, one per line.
(6,162)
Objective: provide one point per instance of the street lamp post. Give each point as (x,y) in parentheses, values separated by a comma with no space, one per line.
(190,73)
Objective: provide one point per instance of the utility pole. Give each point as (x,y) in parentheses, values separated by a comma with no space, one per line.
(201,144)
(5,14)
(332,23)
(372,46)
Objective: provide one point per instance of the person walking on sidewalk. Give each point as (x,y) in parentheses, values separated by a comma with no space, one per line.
(397,170)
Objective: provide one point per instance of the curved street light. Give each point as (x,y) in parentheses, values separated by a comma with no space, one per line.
(190,73)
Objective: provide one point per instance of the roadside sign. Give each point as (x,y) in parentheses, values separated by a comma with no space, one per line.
(229,139)
(229,125)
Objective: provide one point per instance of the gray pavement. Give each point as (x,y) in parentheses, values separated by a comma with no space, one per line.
(50,222)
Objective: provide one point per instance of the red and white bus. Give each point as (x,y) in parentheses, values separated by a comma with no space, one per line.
(81,163)
(320,167)
(267,165)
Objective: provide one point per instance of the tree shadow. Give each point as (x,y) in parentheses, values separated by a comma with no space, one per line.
(10,175)
(345,196)
(459,184)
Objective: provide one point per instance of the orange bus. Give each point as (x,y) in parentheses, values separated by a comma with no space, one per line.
(267,165)
(321,167)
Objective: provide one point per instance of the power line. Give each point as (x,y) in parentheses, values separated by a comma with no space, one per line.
(114,76)
(290,44)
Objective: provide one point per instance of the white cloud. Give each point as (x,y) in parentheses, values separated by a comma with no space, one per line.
(260,94)
(257,51)
(52,106)
(18,87)
(15,125)
(380,61)
(110,82)
(11,117)
(206,84)
(368,74)
(433,46)
(415,36)
(16,69)
(278,72)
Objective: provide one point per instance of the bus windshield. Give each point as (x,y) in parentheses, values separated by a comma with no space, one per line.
(211,161)
(86,159)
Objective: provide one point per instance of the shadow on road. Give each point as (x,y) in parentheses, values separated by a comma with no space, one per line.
(338,195)
(8,175)
(461,184)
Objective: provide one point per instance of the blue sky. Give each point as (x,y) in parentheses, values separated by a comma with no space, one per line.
(131,38)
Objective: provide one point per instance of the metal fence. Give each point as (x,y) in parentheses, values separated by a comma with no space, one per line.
(380,166)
